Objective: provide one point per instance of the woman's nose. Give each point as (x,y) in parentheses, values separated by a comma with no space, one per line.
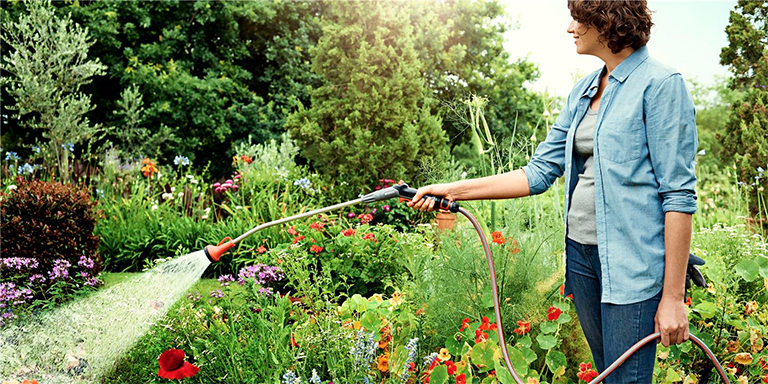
(571,26)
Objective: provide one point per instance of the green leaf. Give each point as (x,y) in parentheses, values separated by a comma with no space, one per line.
(762,263)
(546,341)
(556,362)
(548,327)
(748,270)
(371,322)
(453,346)
(439,374)
(706,309)
(524,341)
(518,361)
(482,355)
(529,354)
(672,376)
(502,373)
(564,318)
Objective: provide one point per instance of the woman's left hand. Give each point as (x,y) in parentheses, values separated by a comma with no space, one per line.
(672,321)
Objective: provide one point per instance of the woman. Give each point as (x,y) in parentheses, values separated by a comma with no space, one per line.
(626,141)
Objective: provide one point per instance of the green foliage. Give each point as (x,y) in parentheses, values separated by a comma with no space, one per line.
(746,139)
(48,65)
(371,118)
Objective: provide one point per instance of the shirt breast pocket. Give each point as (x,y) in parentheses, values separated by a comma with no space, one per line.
(621,140)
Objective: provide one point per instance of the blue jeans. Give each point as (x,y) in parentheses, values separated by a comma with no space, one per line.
(610,329)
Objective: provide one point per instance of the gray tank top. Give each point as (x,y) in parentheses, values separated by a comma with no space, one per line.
(582,227)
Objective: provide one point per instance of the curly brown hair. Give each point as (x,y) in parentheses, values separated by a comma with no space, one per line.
(622,23)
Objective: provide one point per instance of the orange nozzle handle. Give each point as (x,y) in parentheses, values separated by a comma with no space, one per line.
(214,252)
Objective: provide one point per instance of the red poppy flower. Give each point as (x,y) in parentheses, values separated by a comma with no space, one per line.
(498,238)
(173,366)
(451,367)
(316,249)
(464,324)
(553,313)
(461,379)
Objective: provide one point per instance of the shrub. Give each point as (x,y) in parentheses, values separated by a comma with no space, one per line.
(49,250)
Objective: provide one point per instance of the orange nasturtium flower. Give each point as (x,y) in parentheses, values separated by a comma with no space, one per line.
(148,167)
(553,313)
(383,364)
(523,327)
(498,238)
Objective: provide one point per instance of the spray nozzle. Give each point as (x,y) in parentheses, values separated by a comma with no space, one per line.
(214,252)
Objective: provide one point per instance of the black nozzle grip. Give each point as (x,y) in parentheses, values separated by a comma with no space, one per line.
(408,193)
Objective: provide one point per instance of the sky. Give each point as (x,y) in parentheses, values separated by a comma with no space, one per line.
(687,36)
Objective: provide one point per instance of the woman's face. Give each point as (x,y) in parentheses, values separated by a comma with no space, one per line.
(585,38)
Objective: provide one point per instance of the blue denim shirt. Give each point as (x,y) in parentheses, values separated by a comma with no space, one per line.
(644,148)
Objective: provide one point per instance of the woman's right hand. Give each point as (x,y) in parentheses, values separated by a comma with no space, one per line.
(426,205)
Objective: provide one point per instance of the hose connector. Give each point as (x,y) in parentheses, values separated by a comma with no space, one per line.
(214,252)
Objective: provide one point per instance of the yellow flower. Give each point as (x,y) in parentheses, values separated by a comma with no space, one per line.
(356,324)
(744,358)
(444,355)
(732,371)
(377,297)
(742,380)
(396,299)
(711,288)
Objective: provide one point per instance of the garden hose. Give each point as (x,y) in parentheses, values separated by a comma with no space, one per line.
(214,252)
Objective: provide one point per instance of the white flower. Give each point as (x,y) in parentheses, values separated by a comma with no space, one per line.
(180,194)
(11,187)
(702,152)
(167,196)
(464,175)
(193,181)
(154,207)
(555,111)
(546,113)
(173,189)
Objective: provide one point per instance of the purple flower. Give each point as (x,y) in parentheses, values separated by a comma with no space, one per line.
(84,274)
(351,215)
(260,274)
(86,262)
(18,263)
(217,294)
(60,269)
(386,208)
(224,280)
(36,278)
(91,281)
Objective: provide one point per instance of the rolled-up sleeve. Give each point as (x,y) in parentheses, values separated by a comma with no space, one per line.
(672,143)
(548,162)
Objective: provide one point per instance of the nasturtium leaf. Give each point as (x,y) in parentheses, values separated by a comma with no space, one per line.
(762,263)
(546,341)
(453,346)
(748,270)
(556,362)
(706,309)
(672,376)
(371,321)
(564,318)
(524,341)
(439,374)
(502,373)
(548,327)
(482,355)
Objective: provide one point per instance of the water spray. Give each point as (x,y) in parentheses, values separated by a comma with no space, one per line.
(405,193)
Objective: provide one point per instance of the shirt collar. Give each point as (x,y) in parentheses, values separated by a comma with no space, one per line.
(621,72)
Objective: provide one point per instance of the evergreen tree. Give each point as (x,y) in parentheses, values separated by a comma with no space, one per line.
(371,119)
